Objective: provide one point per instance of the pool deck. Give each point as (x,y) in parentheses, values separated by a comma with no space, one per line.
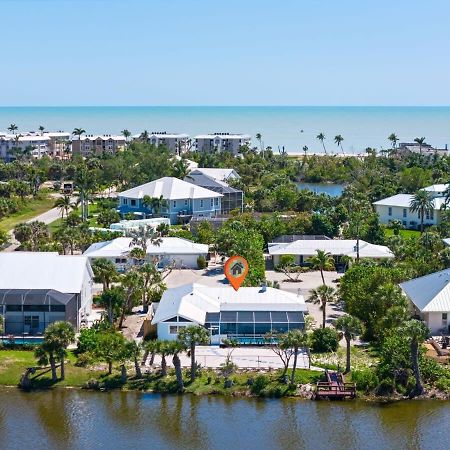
(243,357)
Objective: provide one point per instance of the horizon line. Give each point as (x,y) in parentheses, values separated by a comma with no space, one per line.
(225,106)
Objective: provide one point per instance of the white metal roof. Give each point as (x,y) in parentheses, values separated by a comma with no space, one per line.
(169,246)
(169,188)
(42,270)
(94,137)
(430,293)
(218,174)
(438,188)
(404,201)
(193,301)
(336,247)
(223,136)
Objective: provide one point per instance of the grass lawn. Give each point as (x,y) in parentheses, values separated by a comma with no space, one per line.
(32,207)
(92,219)
(403,233)
(14,362)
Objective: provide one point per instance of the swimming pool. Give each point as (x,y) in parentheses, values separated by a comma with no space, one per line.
(18,340)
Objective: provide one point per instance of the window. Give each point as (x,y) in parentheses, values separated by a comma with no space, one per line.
(405,212)
(212,203)
(389,211)
(173,329)
(217,202)
(172,319)
(124,201)
(31,321)
(13,308)
(133,202)
(444,318)
(174,203)
(121,260)
(201,203)
(185,203)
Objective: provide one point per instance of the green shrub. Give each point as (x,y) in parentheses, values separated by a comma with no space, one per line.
(259,383)
(443,384)
(201,262)
(324,340)
(365,379)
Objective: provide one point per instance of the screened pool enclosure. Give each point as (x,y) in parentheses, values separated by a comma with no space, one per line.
(253,324)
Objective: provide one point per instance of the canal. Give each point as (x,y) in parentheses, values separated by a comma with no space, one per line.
(74,419)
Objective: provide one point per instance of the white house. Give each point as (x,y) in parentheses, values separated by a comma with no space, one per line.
(247,314)
(222,142)
(303,249)
(38,288)
(398,207)
(183,200)
(430,299)
(181,253)
(218,174)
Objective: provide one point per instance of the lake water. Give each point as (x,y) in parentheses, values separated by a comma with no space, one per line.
(72,419)
(333,190)
(291,127)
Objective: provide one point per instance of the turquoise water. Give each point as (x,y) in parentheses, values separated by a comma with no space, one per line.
(333,190)
(291,127)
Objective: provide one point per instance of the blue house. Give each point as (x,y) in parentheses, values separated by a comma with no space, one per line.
(181,200)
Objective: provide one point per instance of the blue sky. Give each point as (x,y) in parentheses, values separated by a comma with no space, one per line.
(229,52)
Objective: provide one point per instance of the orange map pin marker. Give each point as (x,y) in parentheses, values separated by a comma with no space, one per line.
(236,269)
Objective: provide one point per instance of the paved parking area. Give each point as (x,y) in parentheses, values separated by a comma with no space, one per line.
(243,357)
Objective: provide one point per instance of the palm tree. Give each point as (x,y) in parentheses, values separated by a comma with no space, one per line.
(393,139)
(321,138)
(154,203)
(46,353)
(143,236)
(144,136)
(78,132)
(305,150)
(261,145)
(322,261)
(350,327)
(135,351)
(322,295)
(105,272)
(181,169)
(163,348)
(132,282)
(174,348)
(417,332)
(191,336)
(63,204)
(61,334)
(338,141)
(295,339)
(13,128)
(41,129)
(126,134)
(421,142)
(422,202)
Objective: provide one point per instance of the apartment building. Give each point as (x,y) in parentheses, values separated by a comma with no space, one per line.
(222,142)
(177,143)
(90,144)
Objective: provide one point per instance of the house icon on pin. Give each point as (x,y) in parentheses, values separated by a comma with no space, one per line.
(237,269)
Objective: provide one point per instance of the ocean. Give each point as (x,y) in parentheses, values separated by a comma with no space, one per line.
(280,126)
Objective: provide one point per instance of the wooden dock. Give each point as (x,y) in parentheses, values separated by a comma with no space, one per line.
(334,388)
